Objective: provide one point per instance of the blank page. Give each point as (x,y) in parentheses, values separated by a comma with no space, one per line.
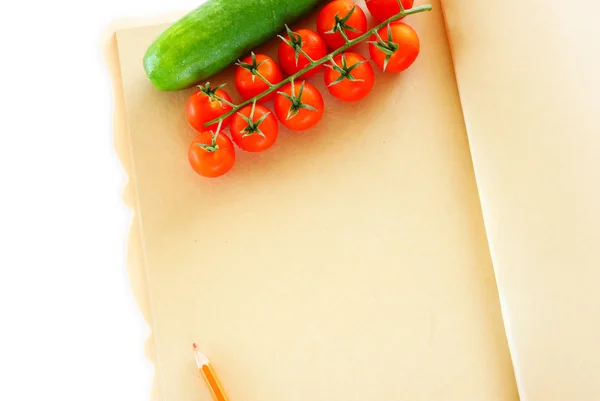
(348,263)
(529,78)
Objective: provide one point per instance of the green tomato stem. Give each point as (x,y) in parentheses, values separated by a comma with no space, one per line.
(265,80)
(323,60)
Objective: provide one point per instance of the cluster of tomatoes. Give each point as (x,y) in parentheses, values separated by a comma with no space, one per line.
(297,105)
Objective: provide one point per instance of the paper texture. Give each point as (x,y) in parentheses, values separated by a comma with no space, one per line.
(122,139)
(347,263)
(528,74)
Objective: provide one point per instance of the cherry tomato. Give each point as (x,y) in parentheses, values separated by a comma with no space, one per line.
(350,77)
(398,49)
(250,73)
(299,106)
(290,54)
(211,155)
(254,128)
(384,9)
(338,19)
(204,106)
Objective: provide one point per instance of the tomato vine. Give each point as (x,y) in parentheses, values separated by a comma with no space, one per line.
(315,63)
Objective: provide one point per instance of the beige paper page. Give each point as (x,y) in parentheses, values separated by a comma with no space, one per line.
(529,78)
(347,263)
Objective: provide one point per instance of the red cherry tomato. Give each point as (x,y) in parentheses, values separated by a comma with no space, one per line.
(384,9)
(299,106)
(338,19)
(204,106)
(303,40)
(404,45)
(211,155)
(248,75)
(350,77)
(254,129)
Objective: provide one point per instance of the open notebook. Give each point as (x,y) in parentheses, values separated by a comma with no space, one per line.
(438,241)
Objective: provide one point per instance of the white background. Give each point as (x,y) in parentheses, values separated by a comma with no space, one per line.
(69,327)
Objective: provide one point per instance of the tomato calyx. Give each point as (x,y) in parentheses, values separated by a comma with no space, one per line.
(253,127)
(388,47)
(344,71)
(253,68)
(341,25)
(297,104)
(212,93)
(212,147)
(295,42)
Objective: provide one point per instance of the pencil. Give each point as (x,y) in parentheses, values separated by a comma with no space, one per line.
(209,375)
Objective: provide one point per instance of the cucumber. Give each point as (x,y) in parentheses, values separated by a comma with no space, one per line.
(214,36)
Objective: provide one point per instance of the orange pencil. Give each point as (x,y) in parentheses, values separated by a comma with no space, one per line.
(210,377)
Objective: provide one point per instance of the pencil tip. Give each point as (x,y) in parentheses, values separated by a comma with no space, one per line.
(194,345)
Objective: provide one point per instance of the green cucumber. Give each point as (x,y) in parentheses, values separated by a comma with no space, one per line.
(214,36)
